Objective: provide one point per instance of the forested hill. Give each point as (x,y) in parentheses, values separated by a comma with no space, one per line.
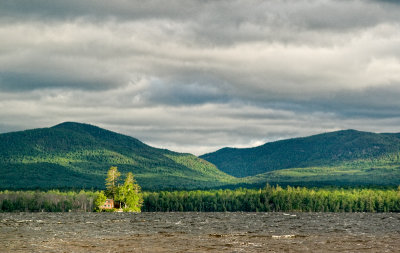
(74,155)
(328,149)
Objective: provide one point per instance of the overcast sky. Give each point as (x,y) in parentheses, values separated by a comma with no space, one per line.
(195,76)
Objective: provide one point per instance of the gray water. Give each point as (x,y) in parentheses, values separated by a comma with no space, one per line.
(199,232)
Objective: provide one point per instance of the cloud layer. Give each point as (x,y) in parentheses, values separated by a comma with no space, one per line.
(195,76)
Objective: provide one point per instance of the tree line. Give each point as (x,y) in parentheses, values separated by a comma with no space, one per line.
(275,199)
(49,201)
(267,199)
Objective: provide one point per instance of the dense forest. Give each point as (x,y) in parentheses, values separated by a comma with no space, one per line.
(276,199)
(268,199)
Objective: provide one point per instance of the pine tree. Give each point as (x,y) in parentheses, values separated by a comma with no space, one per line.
(112,181)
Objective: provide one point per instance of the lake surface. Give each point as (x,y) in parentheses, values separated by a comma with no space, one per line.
(199,232)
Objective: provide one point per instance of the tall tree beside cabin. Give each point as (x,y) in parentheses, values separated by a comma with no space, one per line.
(112,181)
(126,197)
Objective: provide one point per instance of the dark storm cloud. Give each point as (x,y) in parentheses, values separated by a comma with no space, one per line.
(198,75)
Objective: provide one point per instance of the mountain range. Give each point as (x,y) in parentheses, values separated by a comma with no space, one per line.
(76,155)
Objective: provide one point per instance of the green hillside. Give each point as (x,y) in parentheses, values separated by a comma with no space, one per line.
(356,173)
(358,155)
(74,155)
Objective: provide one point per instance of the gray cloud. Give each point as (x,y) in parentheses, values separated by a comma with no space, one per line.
(198,75)
(23,81)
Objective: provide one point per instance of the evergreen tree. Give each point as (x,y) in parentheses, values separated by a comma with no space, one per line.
(112,181)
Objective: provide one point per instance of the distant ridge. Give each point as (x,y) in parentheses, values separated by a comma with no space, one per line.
(327,149)
(76,155)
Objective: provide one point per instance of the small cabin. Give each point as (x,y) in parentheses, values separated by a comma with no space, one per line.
(108,204)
